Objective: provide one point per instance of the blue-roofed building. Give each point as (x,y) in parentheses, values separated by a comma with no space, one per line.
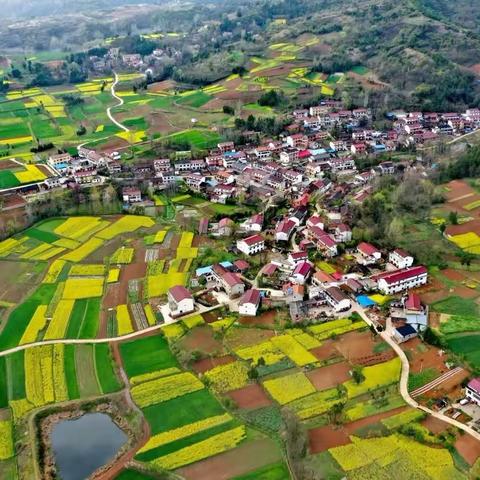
(402,334)
(199,272)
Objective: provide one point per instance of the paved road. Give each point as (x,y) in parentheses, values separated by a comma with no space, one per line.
(75,341)
(119,104)
(386,336)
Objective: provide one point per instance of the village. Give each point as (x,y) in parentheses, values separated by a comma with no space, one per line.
(295,251)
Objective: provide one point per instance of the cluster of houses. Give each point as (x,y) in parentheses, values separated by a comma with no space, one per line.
(291,268)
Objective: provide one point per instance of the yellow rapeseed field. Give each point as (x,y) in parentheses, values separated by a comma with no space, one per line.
(84,250)
(228,377)
(87,270)
(126,224)
(31,174)
(294,350)
(36,324)
(206,448)
(113,275)
(124,321)
(165,388)
(376,376)
(77,227)
(54,271)
(59,322)
(185,431)
(123,255)
(6,439)
(289,388)
(151,319)
(83,288)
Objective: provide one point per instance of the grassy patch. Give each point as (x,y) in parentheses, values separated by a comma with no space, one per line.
(173,413)
(146,355)
(467,348)
(417,380)
(105,372)
(70,372)
(456,306)
(277,471)
(8,179)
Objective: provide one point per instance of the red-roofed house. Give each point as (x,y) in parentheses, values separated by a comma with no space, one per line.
(232,284)
(368,254)
(400,258)
(284,230)
(249,302)
(322,278)
(254,223)
(269,269)
(325,243)
(296,257)
(251,245)
(343,233)
(301,273)
(180,301)
(403,279)
(240,266)
(316,221)
(472,392)
(413,302)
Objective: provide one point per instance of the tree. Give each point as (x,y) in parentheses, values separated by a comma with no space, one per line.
(453,218)
(335,412)
(357,375)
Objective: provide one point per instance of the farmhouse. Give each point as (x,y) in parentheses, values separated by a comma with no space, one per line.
(249,302)
(472,392)
(337,299)
(229,281)
(251,245)
(400,258)
(368,254)
(131,195)
(301,273)
(403,334)
(296,257)
(180,301)
(284,230)
(403,279)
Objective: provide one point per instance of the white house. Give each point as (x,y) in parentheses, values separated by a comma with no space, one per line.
(400,258)
(254,223)
(296,257)
(249,303)
(180,301)
(131,195)
(343,233)
(301,273)
(251,245)
(472,392)
(402,334)
(337,299)
(284,230)
(403,279)
(368,254)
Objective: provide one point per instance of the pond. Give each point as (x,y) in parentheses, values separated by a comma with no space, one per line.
(83,445)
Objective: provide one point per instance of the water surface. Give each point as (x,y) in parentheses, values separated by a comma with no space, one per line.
(83,445)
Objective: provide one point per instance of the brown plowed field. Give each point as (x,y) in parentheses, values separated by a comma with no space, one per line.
(251,396)
(330,376)
(208,363)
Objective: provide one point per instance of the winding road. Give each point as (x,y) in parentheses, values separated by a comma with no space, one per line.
(119,104)
(386,336)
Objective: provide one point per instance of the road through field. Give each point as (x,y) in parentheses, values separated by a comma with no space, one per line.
(386,336)
(119,104)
